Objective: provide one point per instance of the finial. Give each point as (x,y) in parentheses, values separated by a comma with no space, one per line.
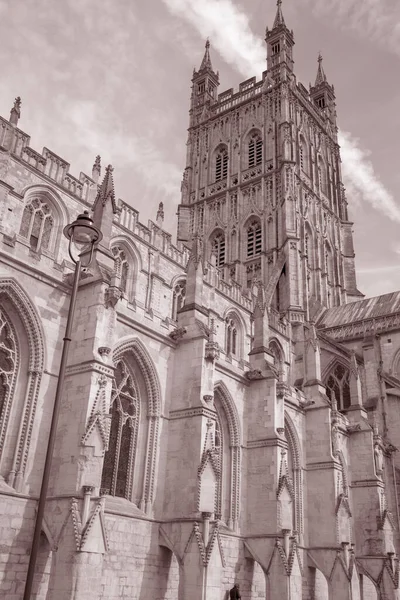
(15,112)
(321,77)
(206,62)
(279,20)
(160,215)
(106,190)
(96,169)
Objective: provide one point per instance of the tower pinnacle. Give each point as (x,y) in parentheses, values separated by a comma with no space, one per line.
(15,113)
(279,20)
(206,62)
(321,77)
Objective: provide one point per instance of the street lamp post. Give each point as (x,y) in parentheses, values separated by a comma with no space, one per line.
(83,236)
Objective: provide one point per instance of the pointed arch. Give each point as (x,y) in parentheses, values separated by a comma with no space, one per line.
(221,162)
(217,247)
(134,353)
(43,219)
(279,354)
(232,455)
(336,378)
(127,264)
(178,295)
(22,315)
(322,178)
(253,236)
(304,155)
(254,148)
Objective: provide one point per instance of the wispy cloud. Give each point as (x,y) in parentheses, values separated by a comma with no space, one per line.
(229,29)
(360,179)
(123,147)
(377,20)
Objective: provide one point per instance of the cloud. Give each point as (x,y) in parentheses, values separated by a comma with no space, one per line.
(229,29)
(100,134)
(377,20)
(360,179)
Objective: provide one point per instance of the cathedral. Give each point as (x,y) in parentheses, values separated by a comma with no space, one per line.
(229,411)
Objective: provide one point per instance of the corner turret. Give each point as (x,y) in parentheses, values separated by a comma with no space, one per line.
(323,94)
(280,42)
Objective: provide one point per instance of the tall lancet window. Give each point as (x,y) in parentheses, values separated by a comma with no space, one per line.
(255,150)
(37,224)
(119,459)
(221,164)
(178,298)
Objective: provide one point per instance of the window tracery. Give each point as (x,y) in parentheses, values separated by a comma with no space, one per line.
(178,298)
(121,267)
(37,224)
(119,460)
(254,239)
(8,364)
(338,386)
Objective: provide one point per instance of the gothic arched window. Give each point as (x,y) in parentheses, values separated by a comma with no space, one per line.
(121,267)
(254,239)
(278,355)
(178,298)
(218,249)
(119,460)
(221,164)
(232,336)
(338,386)
(255,150)
(37,224)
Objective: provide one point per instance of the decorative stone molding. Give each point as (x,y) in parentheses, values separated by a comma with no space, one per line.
(104,351)
(32,325)
(99,419)
(82,532)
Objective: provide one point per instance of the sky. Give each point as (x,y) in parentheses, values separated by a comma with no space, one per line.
(113,77)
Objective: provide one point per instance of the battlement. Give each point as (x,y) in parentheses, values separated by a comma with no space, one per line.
(48,163)
(247,89)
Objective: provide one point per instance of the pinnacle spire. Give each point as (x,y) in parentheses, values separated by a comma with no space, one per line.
(15,112)
(321,77)
(206,62)
(279,20)
(106,190)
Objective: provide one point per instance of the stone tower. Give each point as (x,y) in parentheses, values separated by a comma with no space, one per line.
(263,186)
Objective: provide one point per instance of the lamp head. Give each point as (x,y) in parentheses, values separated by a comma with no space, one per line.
(82,235)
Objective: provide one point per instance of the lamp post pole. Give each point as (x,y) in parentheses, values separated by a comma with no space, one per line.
(84,224)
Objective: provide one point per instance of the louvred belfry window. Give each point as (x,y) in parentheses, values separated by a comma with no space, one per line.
(218,249)
(221,165)
(119,459)
(37,224)
(255,151)
(338,385)
(254,239)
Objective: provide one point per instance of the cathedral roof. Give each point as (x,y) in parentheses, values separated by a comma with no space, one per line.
(369,308)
